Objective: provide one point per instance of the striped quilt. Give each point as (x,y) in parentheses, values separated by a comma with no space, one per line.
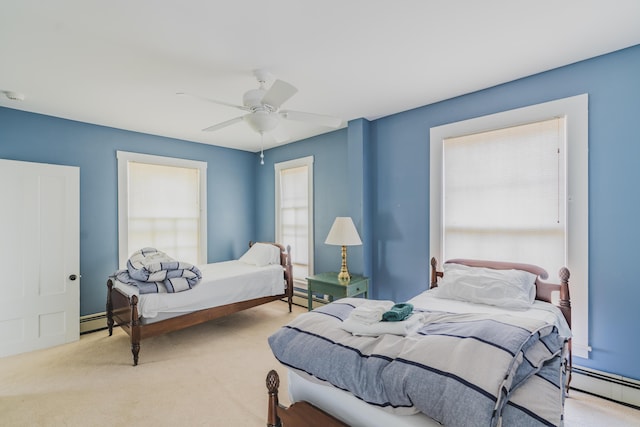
(153,271)
(459,369)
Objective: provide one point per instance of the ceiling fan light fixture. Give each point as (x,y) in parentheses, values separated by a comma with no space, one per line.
(262,121)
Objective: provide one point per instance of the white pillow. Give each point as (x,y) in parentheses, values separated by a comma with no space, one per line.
(261,254)
(513,289)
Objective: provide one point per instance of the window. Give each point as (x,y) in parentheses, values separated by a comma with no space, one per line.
(162,204)
(507,185)
(294,214)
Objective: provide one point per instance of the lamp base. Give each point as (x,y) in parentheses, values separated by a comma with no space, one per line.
(344,276)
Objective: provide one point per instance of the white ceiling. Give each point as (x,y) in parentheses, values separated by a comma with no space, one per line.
(119,63)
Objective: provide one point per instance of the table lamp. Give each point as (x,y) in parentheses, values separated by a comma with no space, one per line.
(343,233)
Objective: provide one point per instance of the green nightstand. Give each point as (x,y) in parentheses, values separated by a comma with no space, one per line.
(328,284)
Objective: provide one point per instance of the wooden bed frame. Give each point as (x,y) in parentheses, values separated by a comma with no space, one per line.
(123,311)
(300,414)
(304,414)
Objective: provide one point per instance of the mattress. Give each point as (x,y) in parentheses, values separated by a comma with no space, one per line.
(355,412)
(222,283)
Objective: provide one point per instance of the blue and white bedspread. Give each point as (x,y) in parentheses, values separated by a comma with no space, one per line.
(459,369)
(153,271)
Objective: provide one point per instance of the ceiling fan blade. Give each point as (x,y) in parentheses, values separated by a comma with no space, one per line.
(280,135)
(215,101)
(319,119)
(223,124)
(278,93)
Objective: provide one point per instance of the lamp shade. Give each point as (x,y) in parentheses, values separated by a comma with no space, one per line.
(343,233)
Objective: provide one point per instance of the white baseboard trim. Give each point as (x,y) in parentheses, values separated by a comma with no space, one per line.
(93,322)
(609,386)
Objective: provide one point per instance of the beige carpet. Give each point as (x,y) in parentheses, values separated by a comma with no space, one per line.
(208,375)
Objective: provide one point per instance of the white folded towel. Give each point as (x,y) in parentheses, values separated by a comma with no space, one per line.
(404,327)
(370,311)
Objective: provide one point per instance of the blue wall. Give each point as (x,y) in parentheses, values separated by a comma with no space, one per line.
(44,139)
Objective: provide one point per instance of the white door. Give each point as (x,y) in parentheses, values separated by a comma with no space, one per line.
(39,256)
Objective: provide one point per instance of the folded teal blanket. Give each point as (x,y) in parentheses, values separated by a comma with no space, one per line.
(398,312)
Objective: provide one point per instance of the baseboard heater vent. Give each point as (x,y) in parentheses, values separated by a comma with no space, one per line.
(93,322)
(608,386)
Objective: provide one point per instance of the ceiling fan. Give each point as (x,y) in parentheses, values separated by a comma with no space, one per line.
(263,109)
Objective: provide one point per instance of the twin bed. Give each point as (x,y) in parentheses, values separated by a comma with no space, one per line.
(492,348)
(263,274)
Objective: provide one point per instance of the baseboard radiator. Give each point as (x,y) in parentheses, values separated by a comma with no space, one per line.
(93,322)
(609,386)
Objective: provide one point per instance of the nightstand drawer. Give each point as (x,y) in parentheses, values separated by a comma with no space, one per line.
(328,284)
(357,289)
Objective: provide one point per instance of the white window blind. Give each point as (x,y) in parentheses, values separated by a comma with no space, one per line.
(504,195)
(294,216)
(162,204)
(294,213)
(164,209)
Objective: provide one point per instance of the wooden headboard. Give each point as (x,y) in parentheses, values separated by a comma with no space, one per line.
(285,261)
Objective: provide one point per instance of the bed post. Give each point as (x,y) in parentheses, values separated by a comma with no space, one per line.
(109,307)
(565,300)
(273,382)
(135,330)
(289,274)
(434,273)
(565,307)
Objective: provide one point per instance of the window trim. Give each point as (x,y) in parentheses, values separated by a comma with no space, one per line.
(289,164)
(123,159)
(576,111)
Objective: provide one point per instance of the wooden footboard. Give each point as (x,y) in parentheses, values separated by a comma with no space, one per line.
(123,311)
(300,414)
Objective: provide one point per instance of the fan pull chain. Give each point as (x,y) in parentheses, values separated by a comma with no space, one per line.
(262,148)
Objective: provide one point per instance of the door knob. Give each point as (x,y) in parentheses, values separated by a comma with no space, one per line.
(73,277)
